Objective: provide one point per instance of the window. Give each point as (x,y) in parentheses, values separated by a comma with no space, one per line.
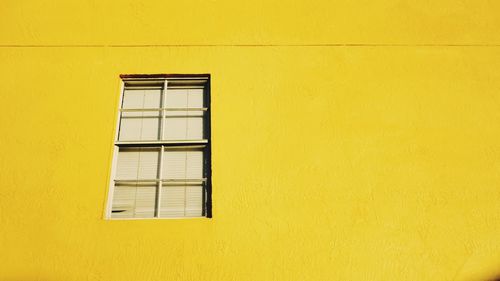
(161,166)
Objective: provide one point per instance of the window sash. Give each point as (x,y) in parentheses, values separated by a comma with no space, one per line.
(143,122)
(134,180)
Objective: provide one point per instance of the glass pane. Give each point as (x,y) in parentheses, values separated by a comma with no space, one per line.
(134,200)
(183,125)
(127,166)
(172,201)
(194,200)
(176,98)
(181,201)
(139,125)
(184,98)
(141,98)
(195,98)
(182,164)
(137,163)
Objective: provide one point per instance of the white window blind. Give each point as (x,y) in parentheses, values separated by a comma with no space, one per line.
(134,200)
(139,123)
(183,164)
(138,163)
(162,148)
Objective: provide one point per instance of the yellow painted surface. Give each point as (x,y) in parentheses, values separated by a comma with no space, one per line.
(249,22)
(370,162)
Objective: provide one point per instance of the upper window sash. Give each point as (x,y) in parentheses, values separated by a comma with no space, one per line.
(149,113)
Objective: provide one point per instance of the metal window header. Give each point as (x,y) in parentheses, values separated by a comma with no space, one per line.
(124,77)
(157,81)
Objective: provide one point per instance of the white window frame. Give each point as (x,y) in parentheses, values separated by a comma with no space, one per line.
(205,143)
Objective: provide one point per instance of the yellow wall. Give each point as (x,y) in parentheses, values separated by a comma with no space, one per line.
(375,160)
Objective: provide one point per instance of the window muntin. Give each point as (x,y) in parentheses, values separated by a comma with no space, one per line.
(162,150)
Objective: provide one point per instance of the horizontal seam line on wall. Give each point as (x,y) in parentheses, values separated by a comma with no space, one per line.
(235,45)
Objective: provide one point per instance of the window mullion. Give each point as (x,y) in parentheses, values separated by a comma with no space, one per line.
(160,184)
(160,166)
(162,106)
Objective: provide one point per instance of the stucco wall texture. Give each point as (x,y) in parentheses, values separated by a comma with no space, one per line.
(352,140)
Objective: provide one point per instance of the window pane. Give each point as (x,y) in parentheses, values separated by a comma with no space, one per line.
(181,201)
(137,163)
(134,201)
(194,200)
(139,125)
(184,98)
(183,125)
(183,164)
(195,99)
(141,98)
(176,98)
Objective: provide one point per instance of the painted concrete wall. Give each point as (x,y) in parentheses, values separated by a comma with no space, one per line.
(351,141)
